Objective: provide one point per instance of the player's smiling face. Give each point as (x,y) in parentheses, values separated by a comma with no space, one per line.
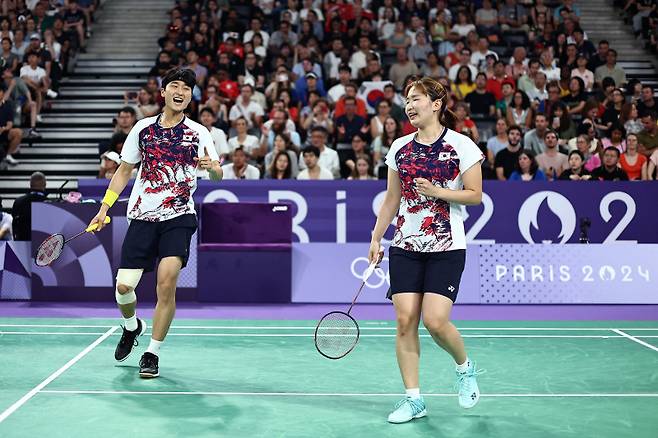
(177,95)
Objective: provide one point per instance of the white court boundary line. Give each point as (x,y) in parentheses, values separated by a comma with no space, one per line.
(635,339)
(330,394)
(13,408)
(310,335)
(233,327)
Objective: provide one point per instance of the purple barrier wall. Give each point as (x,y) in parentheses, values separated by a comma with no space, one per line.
(494,274)
(511,212)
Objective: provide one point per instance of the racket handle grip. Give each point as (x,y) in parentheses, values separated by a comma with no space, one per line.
(94,227)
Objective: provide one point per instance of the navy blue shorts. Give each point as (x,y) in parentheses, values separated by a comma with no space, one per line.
(426,272)
(145,242)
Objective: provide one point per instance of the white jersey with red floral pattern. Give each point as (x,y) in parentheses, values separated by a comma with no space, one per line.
(426,224)
(167,175)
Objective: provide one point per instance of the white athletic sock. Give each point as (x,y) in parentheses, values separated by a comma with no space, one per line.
(130,323)
(413,393)
(154,347)
(463,367)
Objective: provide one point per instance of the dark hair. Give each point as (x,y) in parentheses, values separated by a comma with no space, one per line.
(514,128)
(533,161)
(185,75)
(128,109)
(310,149)
(616,126)
(287,172)
(435,91)
(551,132)
(469,80)
(577,152)
(525,101)
(612,148)
(208,110)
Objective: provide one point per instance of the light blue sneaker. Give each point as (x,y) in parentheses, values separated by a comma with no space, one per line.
(407,409)
(469,393)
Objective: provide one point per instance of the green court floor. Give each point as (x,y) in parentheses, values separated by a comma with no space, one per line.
(58,378)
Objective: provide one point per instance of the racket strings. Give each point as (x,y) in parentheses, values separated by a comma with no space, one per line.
(50,250)
(336,335)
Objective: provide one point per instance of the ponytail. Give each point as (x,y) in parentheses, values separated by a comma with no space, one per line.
(448,118)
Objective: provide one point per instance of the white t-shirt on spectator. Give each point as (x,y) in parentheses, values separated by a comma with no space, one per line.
(248,35)
(452,73)
(252,172)
(328,159)
(324,174)
(35,74)
(250,144)
(239,110)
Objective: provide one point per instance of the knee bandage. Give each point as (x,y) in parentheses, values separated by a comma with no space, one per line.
(130,278)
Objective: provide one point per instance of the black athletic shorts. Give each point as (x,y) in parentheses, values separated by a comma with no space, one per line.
(145,242)
(421,272)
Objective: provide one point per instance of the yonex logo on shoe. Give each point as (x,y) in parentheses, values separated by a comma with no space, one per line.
(451,288)
(474,396)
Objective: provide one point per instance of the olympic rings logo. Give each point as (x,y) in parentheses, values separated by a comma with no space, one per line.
(360,265)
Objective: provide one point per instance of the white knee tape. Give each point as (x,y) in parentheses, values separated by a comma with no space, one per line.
(130,278)
(128,298)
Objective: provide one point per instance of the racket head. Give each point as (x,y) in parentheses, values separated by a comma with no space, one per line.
(336,335)
(49,250)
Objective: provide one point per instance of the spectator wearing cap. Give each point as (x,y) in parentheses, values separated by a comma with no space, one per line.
(310,82)
(464,60)
(401,69)
(344,76)
(610,70)
(582,72)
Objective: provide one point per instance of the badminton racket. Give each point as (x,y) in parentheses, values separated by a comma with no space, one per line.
(337,332)
(51,248)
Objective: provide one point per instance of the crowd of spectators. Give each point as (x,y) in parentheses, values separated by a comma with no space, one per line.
(38,38)
(311,89)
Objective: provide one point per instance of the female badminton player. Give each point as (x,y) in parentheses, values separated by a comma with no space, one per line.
(431,174)
(161,212)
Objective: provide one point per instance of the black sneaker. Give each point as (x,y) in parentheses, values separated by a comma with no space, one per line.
(148,366)
(128,341)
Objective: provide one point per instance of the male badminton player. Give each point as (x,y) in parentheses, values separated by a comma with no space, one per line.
(161,212)
(431,174)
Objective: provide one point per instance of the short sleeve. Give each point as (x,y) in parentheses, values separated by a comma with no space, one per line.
(469,154)
(207,145)
(131,152)
(390,159)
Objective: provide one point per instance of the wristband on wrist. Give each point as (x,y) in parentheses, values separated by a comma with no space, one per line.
(110,197)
